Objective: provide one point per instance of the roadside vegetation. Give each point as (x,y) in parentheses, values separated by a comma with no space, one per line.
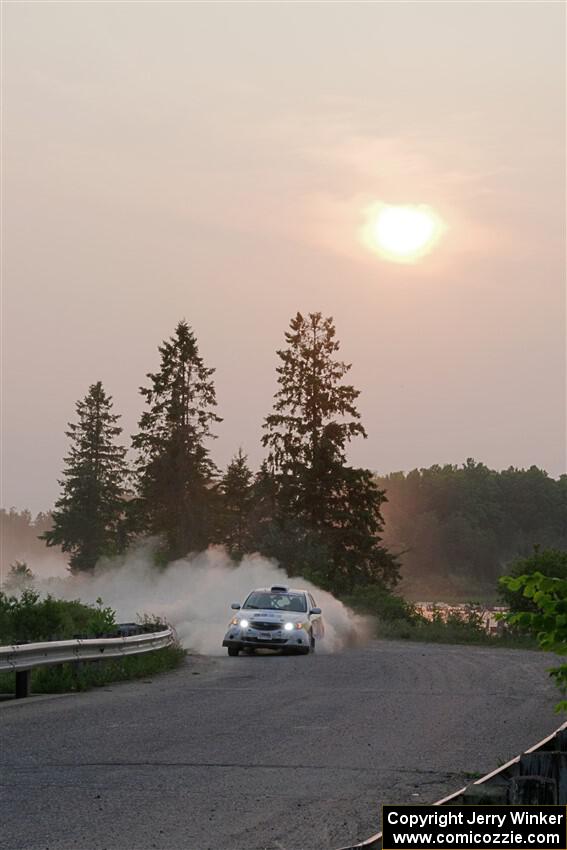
(537,587)
(550,563)
(396,619)
(95,674)
(534,593)
(27,618)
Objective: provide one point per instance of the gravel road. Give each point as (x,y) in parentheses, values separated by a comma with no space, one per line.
(264,753)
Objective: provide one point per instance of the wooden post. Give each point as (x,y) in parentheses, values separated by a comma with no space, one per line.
(533,791)
(22,683)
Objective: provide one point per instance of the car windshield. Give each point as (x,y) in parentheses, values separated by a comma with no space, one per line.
(277,601)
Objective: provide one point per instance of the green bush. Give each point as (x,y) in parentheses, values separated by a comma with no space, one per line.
(397,619)
(453,631)
(548,620)
(547,562)
(27,618)
(378,602)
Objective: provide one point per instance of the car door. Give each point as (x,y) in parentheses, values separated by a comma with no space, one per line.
(316,619)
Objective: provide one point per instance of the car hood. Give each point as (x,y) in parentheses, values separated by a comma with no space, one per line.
(270,616)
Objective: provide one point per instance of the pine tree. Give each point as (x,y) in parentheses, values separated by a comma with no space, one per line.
(327,518)
(88,520)
(175,472)
(237,499)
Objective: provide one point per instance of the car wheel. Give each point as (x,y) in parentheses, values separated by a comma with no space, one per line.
(311,643)
(232,651)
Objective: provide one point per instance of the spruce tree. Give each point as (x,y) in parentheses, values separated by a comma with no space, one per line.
(88,519)
(175,472)
(327,518)
(237,500)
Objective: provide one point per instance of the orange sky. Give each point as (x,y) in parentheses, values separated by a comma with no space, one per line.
(213,162)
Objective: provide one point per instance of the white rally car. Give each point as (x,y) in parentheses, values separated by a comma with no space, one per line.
(275,618)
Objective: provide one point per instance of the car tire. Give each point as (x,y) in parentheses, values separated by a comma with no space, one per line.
(233,651)
(311,643)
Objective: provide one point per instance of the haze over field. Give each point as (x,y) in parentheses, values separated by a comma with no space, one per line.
(219,161)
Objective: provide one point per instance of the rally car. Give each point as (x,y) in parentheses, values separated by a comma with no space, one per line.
(275,618)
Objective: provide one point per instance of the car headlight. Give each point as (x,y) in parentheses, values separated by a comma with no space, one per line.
(236,622)
(244,624)
(289,627)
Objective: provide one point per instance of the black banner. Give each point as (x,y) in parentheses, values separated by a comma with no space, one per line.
(474,827)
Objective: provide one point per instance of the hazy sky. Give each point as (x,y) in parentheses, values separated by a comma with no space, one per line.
(214,162)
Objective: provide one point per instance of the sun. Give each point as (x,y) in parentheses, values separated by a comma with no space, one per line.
(402,233)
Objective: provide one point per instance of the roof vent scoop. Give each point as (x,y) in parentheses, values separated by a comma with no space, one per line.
(279,587)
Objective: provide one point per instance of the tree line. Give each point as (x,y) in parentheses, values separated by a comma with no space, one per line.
(459,527)
(305,506)
(21,534)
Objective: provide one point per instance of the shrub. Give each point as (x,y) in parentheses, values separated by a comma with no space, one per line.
(379,602)
(547,562)
(548,620)
(26,619)
(397,619)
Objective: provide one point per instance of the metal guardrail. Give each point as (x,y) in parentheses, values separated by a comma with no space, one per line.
(503,773)
(22,658)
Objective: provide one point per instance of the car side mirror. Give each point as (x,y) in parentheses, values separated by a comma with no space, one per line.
(235,606)
(315,611)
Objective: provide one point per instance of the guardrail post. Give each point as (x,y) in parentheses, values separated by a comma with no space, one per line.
(22,683)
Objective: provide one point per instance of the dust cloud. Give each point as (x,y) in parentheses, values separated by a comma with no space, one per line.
(194,595)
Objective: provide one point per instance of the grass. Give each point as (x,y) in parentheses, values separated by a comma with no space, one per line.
(95,674)
(452,632)
(397,619)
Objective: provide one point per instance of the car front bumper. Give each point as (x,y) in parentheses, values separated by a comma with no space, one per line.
(248,639)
